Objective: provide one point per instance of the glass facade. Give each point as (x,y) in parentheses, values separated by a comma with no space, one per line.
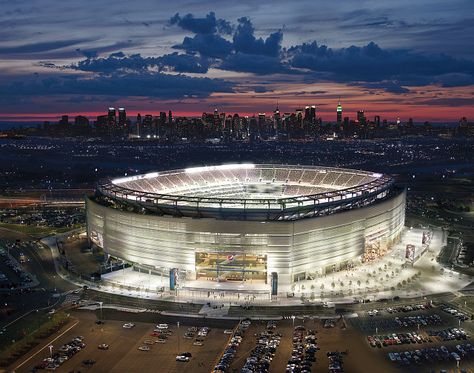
(223,265)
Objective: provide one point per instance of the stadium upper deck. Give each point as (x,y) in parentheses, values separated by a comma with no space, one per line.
(248,191)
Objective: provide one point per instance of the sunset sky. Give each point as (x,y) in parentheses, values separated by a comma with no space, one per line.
(390,58)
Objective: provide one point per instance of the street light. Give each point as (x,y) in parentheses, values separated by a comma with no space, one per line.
(54,282)
(51,351)
(293,318)
(178,337)
(100,304)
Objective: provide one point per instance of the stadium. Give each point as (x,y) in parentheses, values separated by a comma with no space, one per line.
(262,223)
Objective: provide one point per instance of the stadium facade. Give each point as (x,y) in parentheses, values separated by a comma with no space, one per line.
(247,221)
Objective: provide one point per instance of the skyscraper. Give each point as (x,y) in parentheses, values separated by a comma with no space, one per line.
(313,114)
(339,113)
(122,117)
(361,117)
(111,117)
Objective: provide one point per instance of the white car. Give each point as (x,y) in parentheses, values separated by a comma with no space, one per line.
(182,358)
(128,325)
(144,348)
(228,331)
(162,326)
(198,343)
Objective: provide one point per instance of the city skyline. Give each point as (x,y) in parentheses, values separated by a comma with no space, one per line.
(405,60)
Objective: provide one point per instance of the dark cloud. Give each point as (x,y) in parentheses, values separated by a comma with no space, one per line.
(448,101)
(257,64)
(210,45)
(208,25)
(245,41)
(388,86)
(154,85)
(261,89)
(133,63)
(184,63)
(390,68)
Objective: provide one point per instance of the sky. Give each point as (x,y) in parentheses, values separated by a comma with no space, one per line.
(407,59)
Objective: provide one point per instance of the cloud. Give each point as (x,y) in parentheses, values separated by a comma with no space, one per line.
(145,84)
(448,101)
(210,45)
(388,86)
(389,67)
(40,47)
(261,89)
(244,40)
(118,61)
(207,25)
(257,64)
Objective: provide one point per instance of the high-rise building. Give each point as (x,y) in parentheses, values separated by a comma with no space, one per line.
(307,113)
(361,117)
(112,117)
(377,120)
(81,120)
(163,117)
(312,113)
(64,121)
(339,113)
(122,117)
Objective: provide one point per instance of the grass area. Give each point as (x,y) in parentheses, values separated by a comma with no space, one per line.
(37,231)
(11,352)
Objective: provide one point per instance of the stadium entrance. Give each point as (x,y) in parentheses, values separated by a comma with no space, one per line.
(230,266)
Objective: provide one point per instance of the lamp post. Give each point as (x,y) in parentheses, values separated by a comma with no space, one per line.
(54,282)
(51,351)
(178,337)
(100,304)
(293,317)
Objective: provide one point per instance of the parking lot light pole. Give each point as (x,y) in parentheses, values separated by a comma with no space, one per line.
(51,351)
(100,304)
(293,318)
(178,337)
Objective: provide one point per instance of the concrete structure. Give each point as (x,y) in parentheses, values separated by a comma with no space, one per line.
(240,222)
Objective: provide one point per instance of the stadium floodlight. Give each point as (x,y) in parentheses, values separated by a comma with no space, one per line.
(377,175)
(224,167)
(150,175)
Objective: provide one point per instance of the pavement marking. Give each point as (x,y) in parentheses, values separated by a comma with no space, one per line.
(46,345)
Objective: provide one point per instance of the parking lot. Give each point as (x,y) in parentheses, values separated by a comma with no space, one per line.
(124,355)
(275,345)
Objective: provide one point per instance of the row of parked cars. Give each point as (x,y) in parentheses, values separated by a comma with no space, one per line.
(433,354)
(449,334)
(409,308)
(456,313)
(404,308)
(224,362)
(418,320)
(24,277)
(304,350)
(262,355)
(65,352)
(198,334)
(397,339)
(336,361)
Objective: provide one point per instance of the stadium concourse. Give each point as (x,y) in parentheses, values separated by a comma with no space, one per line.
(385,277)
